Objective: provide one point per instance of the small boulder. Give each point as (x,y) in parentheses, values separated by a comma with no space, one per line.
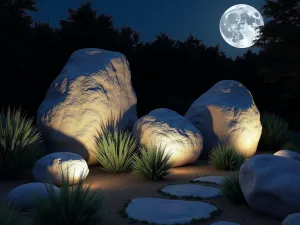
(51,167)
(292,219)
(93,89)
(171,131)
(288,154)
(227,113)
(25,196)
(271,184)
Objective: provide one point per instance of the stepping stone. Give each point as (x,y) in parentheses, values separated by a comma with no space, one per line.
(191,190)
(167,211)
(225,223)
(209,179)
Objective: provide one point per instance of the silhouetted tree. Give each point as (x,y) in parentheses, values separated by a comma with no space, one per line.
(280,44)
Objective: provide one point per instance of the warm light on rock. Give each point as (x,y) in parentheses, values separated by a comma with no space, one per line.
(168,129)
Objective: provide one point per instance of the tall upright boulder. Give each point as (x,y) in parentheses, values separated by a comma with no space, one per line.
(227,113)
(93,88)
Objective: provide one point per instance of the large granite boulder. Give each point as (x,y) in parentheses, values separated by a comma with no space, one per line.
(227,113)
(52,167)
(93,89)
(171,131)
(26,196)
(271,184)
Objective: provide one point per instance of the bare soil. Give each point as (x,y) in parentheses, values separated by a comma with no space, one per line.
(118,189)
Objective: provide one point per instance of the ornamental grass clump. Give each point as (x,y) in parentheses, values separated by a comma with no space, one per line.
(10,215)
(226,157)
(20,143)
(114,148)
(275,132)
(152,163)
(231,189)
(76,205)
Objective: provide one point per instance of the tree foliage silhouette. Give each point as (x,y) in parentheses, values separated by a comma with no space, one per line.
(165,72)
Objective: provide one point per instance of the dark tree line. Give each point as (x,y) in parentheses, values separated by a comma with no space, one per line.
(165,72)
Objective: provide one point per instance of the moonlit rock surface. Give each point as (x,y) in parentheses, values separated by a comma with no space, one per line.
(288,154)
(51,167)
(191,190)
(210,179)
(93,87)
(292,219)
(168,212)
(227,113)
(174,133)
(271,184)
(24,196)
(238,25)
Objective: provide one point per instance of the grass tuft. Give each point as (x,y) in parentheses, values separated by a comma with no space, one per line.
(230,188)
(10,215)
(74,205)
(275,132)
(20,143)
(114,149)
(225,157)
(153,163)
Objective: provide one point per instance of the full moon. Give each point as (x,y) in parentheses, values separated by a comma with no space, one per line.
(238,25)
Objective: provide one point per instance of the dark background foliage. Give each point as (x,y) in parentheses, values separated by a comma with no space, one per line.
(165,72)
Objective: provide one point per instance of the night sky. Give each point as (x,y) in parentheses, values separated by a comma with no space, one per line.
(177,18)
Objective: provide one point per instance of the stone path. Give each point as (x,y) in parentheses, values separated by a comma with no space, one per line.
(209,179)
(191,190)
(167,211)
(224,223)
(171,212)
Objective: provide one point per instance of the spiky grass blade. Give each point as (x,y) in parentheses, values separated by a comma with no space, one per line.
(114,149)
(10,215)
(153,163)
(20,143)
(225,157)
(230,188)
(74,205)
(275,132)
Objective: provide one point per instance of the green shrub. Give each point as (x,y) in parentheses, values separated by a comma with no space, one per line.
(20,143)
(230,188)
(114,149)
(275,132)
(153,163)
(74,205)
(225,157)
(9,215)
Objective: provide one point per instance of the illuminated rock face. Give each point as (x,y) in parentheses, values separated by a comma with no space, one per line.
(227,113)
(51,167)
(271,184)
(166,128)
(93,87)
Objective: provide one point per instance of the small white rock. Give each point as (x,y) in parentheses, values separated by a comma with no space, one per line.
(288,154)
(51,167)
(25,196)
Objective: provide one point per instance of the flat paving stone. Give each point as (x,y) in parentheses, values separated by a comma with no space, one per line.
(209,179)
(191,190)
(168,211)
(224,223)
